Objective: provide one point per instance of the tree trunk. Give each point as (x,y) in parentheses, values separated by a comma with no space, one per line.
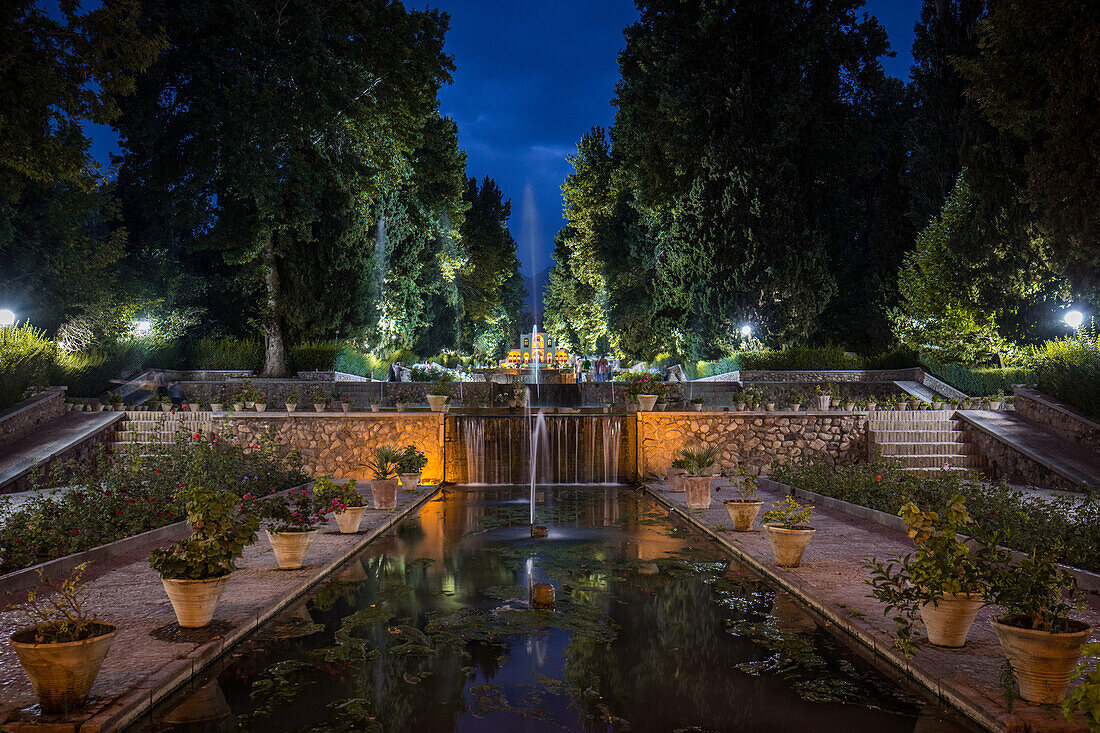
(274,348)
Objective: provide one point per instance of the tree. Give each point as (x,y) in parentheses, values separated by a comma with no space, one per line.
(1035,79)
(491,287)
(267,129)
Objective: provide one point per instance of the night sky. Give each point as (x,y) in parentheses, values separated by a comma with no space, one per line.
(532,77)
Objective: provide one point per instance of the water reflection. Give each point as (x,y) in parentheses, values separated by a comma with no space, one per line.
(653,629)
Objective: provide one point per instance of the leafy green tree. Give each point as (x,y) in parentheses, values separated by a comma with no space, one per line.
(1035,80)
(264,131)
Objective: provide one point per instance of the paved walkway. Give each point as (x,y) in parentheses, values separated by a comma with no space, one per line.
(49,440)
(141,667)
(831,581)
(1076,463)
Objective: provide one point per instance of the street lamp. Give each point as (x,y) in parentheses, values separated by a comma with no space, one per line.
(7,318)
(142,327)
(1074,319)
(746,330)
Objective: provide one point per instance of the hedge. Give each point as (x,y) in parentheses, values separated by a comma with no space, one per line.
(1069,370)
(980,381)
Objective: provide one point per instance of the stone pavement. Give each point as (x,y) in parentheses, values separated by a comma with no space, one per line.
(151,656)
(49,441)
(831,581)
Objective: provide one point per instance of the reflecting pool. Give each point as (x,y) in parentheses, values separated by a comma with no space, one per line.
(654,628)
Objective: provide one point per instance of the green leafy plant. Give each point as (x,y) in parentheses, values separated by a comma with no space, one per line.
(788,514)
(405,396)
(336,497)
(439,388)
(318,396)
(411,460)
(57,612)
(700,461)
(745,485)
(697,400)
(298,510)
(1034,592)
(221,527)
(942,565)
(292,397)
(1086,696)
(383,462)
(637,383)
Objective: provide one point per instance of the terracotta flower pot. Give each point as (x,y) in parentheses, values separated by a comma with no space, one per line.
(697,491)
(676,480)
(1042,661)
(743,513)
(291,406)
(823,401)
(375,407)
(789,544)
(384,493)
(697,406)
(237,407)
(400,406)
(948,621)
(796,407)
(350,518)
(194,600)
(437,402)
(165,406)
(410,481)
(319,406)
(260,406)
(646,402)
(290,547)
(216,407)
(345,406)
(62,674)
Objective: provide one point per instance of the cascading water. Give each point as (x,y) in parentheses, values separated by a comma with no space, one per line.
(473,435)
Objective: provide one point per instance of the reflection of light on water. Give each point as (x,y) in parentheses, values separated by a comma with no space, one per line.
(448,583)
(537,648)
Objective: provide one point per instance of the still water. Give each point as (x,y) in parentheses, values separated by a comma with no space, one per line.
(654,629)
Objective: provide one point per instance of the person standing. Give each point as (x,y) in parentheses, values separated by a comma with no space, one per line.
(577,370)
(603,369)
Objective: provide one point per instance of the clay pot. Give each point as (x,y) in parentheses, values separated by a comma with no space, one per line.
(319,406)
(292,407)
(675,480)
(410,481)
(260,406)
(216,407)
(375,407)
(206,705)
(345,406)
(165,406)
(948,620)
(290,547)
(194,600)
(697,491)
(743,513)
(697,406)
(62,674)
(384,493)
(349,519)
(789,544)
(646,402)
(823,401)
(437,402)
(400,406)
(1042,661)
(237,407)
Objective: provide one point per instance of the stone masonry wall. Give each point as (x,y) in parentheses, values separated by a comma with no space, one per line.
(754,439)
(1057,417)
(1005,462)
(24,417)
(338,445)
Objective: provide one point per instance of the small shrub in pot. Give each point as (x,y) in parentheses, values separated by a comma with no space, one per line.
(744,509)
(699,475)
(789,531)
(289,520)
(343,500)
(383,463)
(410,467)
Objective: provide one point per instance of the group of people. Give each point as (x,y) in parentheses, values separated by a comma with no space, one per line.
(602,372)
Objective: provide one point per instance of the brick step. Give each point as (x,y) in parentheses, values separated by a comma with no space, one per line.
(928,449)
(921,436)
(936,471)
(938,461)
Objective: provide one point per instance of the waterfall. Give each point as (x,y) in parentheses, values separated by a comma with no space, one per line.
(473,437)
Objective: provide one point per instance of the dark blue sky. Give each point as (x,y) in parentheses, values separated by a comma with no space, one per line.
(532,77)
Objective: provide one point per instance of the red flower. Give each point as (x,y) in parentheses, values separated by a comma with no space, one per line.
(878,478)
(76,531)
(197,436)
(156,470)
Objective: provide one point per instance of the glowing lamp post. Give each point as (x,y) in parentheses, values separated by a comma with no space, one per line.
(746,331)
(1074,319)
(142,327)
(7,318)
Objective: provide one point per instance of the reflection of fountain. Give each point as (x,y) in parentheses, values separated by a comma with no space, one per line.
(538,428)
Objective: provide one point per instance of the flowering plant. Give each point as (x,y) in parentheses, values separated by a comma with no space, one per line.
(295,511)
(411,460)
(221,527)
(336,497)
(317,396)
(635,384)
(405,396)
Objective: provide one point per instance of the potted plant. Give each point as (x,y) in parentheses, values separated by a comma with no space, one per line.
(291,400)
(942,581)
(768,401)
(796,401)
(900,402)
(645,388)
(824,397)
(343,500)
(195,570)
(520,392)
(745,507)
(376,405)
(676,470)
(237,400)
(752,397)
(788,531)
(937,404)
(438,394)
(402,400)
(410,467)
(319,399)
(697,404)
(1040,640)
(63,646)
(995,400)
(383,468)
(259,401)
(872,404)
(699,475)
(217,400)
(849,404)
(346,403)
(116,401)
(289,520)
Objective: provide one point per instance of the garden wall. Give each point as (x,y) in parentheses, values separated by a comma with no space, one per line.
(25,417)
(1006,462)
(338,445)
(1057,417)
(754,439)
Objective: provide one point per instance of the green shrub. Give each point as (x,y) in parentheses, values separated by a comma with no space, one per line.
(800,358)
(900,357)
(226,353)
(1069,370)
(711,368)
(1023,521)
(27,360)
(979,381)
(352,361)
(313,356)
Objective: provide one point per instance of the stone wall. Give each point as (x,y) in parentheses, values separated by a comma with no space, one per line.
(1058,418)
(1005,462)
(754,439)
(338,445)
(25,417)
(79,457)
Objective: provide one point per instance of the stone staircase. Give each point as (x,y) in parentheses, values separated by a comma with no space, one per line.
(926,441)
(145,428)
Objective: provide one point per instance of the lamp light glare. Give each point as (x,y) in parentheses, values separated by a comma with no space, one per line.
(7,318)
(143,327)
(746,330)
(1074,319)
